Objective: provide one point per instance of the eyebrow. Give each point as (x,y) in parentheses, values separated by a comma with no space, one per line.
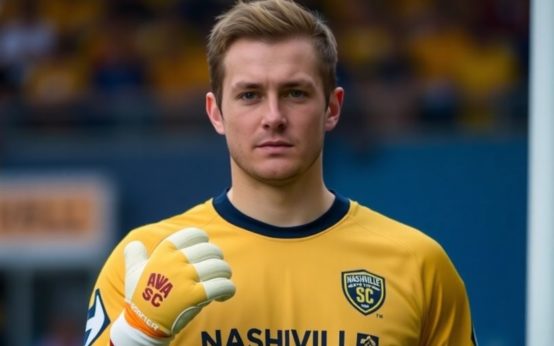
(245,85)
(299,83)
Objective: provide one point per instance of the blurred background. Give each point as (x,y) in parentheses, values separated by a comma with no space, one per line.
(103,129)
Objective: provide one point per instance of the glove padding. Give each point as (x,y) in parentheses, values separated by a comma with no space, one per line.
(164,292)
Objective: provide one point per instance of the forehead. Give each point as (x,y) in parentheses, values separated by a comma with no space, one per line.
(267,61)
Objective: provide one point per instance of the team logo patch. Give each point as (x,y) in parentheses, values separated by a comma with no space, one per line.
(364,290)
(367,340)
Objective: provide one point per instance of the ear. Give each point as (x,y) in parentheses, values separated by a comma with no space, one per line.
(334,108)
(214,113)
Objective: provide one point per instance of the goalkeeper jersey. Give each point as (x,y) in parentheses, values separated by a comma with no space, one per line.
(353,277)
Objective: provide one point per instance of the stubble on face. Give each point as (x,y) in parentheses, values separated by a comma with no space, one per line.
(272,71)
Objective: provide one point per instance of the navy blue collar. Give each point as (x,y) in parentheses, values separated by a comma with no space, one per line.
(226,210)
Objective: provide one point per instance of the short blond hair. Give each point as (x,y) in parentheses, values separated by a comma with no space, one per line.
(270,20)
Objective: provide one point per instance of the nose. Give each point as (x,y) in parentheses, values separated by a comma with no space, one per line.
(274,118)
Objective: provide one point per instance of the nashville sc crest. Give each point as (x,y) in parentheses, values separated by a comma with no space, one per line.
(364,290)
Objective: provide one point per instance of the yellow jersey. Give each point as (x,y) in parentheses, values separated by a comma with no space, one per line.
(353,277)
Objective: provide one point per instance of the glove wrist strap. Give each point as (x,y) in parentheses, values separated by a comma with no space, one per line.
(138,320)
(123,334)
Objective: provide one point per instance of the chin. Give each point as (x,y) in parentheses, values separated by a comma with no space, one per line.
(276,176)
(273,173)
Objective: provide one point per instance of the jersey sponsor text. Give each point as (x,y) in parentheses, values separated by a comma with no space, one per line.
(287,337)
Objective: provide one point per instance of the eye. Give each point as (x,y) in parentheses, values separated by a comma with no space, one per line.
(297,93)
(248,95)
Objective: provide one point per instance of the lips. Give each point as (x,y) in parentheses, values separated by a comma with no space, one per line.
(274,144)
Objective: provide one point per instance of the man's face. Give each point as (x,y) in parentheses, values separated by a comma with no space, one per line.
(273,110)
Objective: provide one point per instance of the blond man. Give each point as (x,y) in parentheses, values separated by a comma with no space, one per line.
(309,266)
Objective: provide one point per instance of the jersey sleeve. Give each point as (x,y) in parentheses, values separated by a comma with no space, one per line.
(107,298)
(447,319)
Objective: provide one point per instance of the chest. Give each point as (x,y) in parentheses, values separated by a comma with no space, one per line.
(316,292)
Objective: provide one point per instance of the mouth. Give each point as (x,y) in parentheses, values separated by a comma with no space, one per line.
(275,144)
(274,147)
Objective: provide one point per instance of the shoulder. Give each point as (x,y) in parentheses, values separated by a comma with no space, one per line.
(152,234)
(412,241)
(425,254)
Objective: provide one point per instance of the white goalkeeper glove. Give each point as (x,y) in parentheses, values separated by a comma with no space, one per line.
(164,292)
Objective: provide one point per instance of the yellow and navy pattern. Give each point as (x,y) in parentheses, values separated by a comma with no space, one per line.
(353,277)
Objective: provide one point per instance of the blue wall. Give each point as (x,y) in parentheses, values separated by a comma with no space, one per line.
(468,193)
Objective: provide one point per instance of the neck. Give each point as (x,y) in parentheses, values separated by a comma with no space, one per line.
(285,205)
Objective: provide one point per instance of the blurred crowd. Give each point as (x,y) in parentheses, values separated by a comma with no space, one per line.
(407,65)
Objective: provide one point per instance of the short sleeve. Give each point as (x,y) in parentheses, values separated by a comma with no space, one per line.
(447,316)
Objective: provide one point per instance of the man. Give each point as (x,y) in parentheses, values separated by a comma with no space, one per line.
(310,267)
